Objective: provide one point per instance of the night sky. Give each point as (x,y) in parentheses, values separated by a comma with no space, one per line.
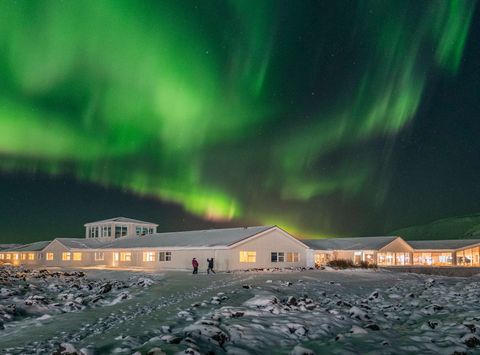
(327,118)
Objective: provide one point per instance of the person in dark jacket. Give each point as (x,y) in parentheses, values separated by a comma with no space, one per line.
(210,266)
(195,266)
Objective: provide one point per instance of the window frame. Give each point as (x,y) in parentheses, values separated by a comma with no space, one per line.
(248,256)
(148,256)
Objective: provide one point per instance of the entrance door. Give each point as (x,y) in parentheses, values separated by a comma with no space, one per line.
(116,257)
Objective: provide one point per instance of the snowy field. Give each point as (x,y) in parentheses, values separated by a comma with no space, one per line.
(282,312)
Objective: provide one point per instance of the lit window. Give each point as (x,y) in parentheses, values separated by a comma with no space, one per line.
(165,256)
(292,257)
(125,256)
(24,256)
(77,256)
(49,257)
(248,256)
(8,256)
(31,256)
(66,256)
(2,256)
(15,256)
(99,256)
(148,256)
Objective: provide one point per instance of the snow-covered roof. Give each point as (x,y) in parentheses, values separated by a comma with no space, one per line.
(121,220)
(442,244)
(82,243)
(36,246)
(358,243)
(202,238)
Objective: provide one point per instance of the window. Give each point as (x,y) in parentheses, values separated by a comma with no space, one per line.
(77,256)
(150,231)
(15,256)
(120,231)
(2,256)
(277,257)
(8,256)
(40,256)
(49,257)
(125,256)
(292,257)
(99,256)
(24,256)
(165,256)
(66,256)
(31,256)
(106,231)
(248,256)
(148,256)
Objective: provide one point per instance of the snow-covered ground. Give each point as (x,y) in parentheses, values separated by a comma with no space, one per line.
(299,312)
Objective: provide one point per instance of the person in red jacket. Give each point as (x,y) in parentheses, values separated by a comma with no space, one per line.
(195,266)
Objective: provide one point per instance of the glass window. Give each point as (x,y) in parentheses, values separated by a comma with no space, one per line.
(16,256)
(49,256)
(277,257)
(8,256)
(2,256)
(77,256)
(248,256)
(31,256)
(24,256)
(148,256)
(99,256)
(292,257)
(165,256)
(125,256)
(138,230)
(150,231)
(66,256)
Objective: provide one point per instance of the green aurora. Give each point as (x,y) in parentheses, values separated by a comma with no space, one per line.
(235,110)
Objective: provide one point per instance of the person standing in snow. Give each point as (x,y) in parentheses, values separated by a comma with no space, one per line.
(195,266)
(210,266)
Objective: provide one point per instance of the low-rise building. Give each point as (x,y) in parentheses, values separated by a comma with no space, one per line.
(127,243)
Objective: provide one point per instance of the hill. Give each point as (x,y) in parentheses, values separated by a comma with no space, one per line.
(462,227)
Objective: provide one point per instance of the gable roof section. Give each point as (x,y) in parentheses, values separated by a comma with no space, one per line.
(442,244)
(121,220)
(277,228)
(81,243)
(203,238)
(36,246)
(358,243)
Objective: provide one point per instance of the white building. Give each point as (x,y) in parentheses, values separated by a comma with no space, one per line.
(126,243)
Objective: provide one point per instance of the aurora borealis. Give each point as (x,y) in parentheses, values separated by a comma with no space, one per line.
(324,117)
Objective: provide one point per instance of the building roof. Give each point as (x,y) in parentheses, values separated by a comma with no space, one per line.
(121,220)
(442,244)
(36,246)
(202,238)
(358,243)
(82,243)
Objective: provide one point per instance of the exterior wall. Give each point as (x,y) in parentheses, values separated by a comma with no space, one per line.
(271,241)
(397,245)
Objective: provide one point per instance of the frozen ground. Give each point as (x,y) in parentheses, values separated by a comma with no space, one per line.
(344,312)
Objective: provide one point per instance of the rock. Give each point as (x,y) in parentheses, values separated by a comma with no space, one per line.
(372,326)
(471,340)
(357,330)
(299,350)
(247,286)
(66,349)
(155,351)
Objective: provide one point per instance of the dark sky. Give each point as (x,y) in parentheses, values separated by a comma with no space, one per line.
(326,118)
